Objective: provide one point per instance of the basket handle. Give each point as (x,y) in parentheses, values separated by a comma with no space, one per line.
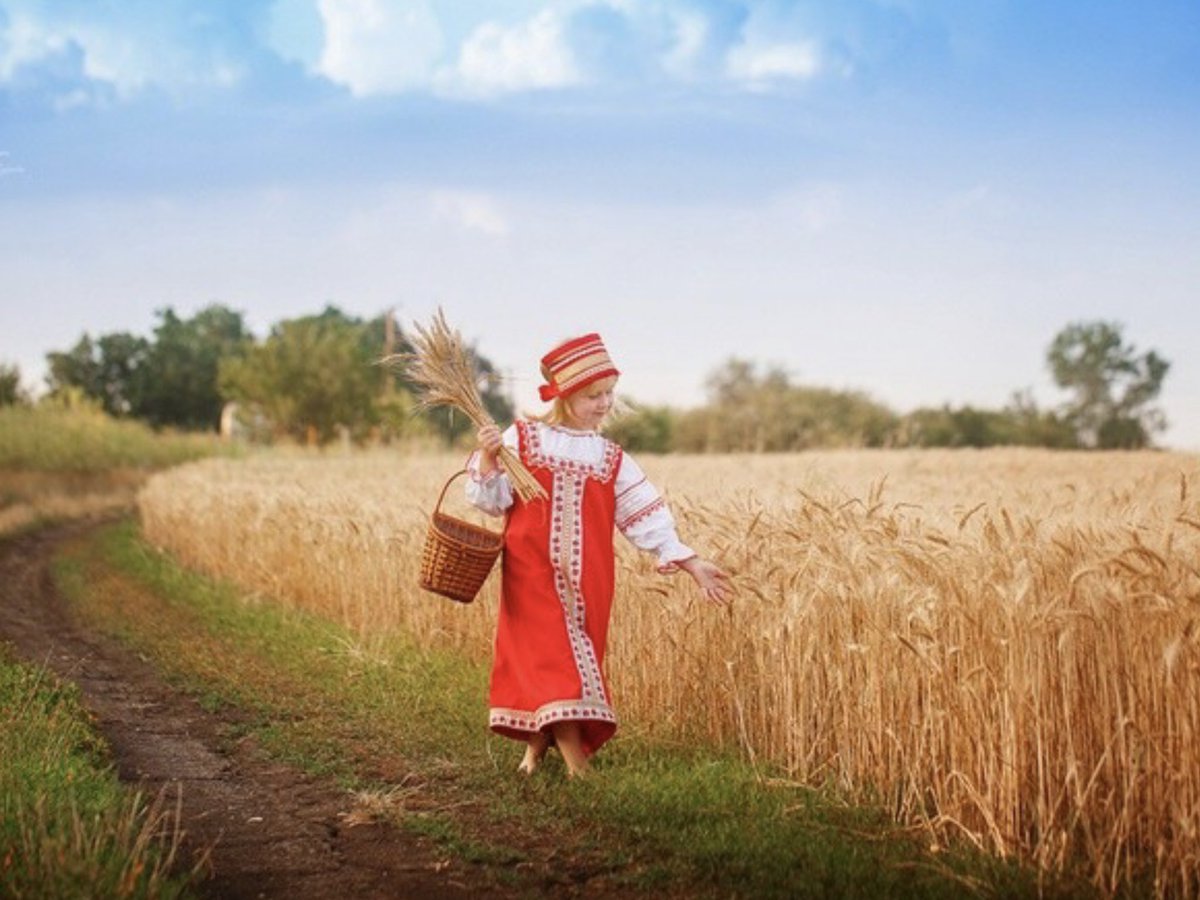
(442,496)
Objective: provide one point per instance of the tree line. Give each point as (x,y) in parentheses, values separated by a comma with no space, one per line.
(316,377)
(1111,389)
(311,380)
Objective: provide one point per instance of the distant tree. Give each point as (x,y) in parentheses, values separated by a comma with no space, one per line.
(11,392)
(395,410)
(312,376)
(109,370)
(179,384)
(966,426)
(845,418)
(944,426)
(1020,423)
(170,380)
(734,391)
(696,430)
(77,368)
(309,377)
(1113,387)
(643,429)
(1035,427)
(752,412)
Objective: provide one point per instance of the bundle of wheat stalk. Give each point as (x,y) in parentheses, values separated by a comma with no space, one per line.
(441,369)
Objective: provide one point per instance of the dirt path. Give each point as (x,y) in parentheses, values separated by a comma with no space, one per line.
(269,830)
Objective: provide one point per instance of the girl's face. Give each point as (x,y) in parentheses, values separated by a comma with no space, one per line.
(586,408)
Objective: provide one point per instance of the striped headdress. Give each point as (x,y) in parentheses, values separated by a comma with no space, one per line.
(575,364)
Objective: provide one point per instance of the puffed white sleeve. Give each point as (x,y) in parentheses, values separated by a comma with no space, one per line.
(493,491)
(645,520)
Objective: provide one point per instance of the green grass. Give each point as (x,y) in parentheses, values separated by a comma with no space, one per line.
(58,439)
(406,727)
(67,826)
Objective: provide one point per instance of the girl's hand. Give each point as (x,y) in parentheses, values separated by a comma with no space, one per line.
(490,443)
(713,581)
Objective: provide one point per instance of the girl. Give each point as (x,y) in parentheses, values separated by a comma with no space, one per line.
(547,682)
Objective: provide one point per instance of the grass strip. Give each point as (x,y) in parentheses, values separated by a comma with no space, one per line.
(402,728)
(50,438)
(67,826)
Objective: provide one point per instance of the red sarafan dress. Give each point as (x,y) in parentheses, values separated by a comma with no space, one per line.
(558,573)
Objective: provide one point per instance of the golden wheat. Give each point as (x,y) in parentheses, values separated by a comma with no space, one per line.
(1003,645)
(442,370)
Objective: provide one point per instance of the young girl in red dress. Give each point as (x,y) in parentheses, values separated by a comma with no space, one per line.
(548,683)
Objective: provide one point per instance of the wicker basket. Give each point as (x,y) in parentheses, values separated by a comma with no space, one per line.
(458,555)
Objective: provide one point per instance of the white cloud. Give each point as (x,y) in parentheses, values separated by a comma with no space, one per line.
(533,55)
(119,47)
(112,57)
(691,33)
(389,47)
(25,41)
(758,63)
(471,211)
(380,46)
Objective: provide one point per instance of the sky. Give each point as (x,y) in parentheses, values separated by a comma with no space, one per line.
(907,198)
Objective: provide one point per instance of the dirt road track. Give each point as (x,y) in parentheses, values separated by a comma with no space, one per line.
(269,830)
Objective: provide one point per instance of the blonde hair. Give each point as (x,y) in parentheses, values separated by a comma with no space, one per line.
(557,413)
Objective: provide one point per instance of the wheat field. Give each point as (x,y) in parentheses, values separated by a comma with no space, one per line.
(1001,646)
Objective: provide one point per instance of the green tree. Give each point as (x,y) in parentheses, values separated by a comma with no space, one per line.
(77,368)
(179,384)
(171,380)
(11,392)
(753,412)
(1112,386)
(1020,423)
(643,429)
(965,426)
(1035,427)
(311,376)
(696,430)
(109,370)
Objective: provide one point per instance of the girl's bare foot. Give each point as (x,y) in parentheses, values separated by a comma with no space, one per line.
(535,750)
(570,744)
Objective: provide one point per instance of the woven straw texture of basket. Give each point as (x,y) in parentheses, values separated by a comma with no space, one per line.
(458,555)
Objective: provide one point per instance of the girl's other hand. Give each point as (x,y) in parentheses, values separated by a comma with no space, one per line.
(712,579)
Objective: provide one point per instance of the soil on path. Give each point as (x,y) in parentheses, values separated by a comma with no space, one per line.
(266,830)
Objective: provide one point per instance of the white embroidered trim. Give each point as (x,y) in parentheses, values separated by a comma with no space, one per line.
(472,467)
(566,555)
(557,711)
(537,457)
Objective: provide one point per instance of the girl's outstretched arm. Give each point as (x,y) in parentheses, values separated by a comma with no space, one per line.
(712,579)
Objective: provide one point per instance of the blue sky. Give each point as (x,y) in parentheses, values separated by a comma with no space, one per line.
(905,197)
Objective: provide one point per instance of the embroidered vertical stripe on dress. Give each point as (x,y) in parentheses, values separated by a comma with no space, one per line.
(566,550)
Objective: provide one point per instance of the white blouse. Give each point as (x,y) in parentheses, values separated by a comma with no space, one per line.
(642,514)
